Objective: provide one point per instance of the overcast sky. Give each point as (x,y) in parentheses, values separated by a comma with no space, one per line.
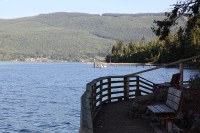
(22,8)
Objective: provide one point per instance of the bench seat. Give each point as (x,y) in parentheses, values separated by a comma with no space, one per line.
(161,109)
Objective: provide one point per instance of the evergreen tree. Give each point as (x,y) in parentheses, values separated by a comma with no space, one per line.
(187,8)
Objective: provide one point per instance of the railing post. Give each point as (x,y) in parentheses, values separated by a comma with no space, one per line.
(94,97)
(109,90)
(101,87)
(137,91)
(181,75)
(126,88)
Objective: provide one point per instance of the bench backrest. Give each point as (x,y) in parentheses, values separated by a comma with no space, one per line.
(173,98)
(175,80)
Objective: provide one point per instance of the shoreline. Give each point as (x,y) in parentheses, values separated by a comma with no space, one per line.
(143,64)
(125,64)
(104,63)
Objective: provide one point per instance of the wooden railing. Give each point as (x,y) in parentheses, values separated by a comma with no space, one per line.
(180,62)
(107,90)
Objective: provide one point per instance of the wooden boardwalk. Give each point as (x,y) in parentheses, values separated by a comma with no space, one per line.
(113,118)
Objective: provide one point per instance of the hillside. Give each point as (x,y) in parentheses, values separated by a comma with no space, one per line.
(70,36)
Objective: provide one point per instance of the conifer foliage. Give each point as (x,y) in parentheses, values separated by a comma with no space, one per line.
(184,43)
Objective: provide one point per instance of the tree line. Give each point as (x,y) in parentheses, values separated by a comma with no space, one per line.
(174,47)
(169,47)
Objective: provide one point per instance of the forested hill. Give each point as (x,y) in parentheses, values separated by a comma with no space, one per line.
(71,36)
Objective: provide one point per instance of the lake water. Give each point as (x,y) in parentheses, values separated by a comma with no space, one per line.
(45,97)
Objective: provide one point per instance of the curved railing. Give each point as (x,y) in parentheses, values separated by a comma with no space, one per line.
(107,90)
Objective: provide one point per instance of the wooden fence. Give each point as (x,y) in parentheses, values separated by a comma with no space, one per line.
(107,90)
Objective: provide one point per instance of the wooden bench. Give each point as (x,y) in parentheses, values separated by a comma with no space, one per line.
(168,110)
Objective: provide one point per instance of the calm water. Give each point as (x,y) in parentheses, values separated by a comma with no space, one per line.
(45,97)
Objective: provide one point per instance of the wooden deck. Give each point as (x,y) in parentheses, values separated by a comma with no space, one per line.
(113,118)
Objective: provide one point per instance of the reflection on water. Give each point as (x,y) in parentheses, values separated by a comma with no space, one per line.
(45,97)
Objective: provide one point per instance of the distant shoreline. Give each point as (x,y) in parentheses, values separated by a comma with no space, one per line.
(142,64)
(126,64)
(43,60)
(36,60)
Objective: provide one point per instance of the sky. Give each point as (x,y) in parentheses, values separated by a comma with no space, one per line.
(22,8)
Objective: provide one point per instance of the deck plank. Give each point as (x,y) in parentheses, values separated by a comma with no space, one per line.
(113,118)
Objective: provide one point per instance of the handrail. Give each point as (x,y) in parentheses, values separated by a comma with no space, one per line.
(111,88)
(165,65)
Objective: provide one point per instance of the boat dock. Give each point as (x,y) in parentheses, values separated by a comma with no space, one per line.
(101,64)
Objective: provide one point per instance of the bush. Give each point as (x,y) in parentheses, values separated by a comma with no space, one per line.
(195,82)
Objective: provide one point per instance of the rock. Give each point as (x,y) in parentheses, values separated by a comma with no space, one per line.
(188,118)
(136,110)
(142,109)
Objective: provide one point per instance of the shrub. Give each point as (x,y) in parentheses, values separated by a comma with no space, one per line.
(195,82)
